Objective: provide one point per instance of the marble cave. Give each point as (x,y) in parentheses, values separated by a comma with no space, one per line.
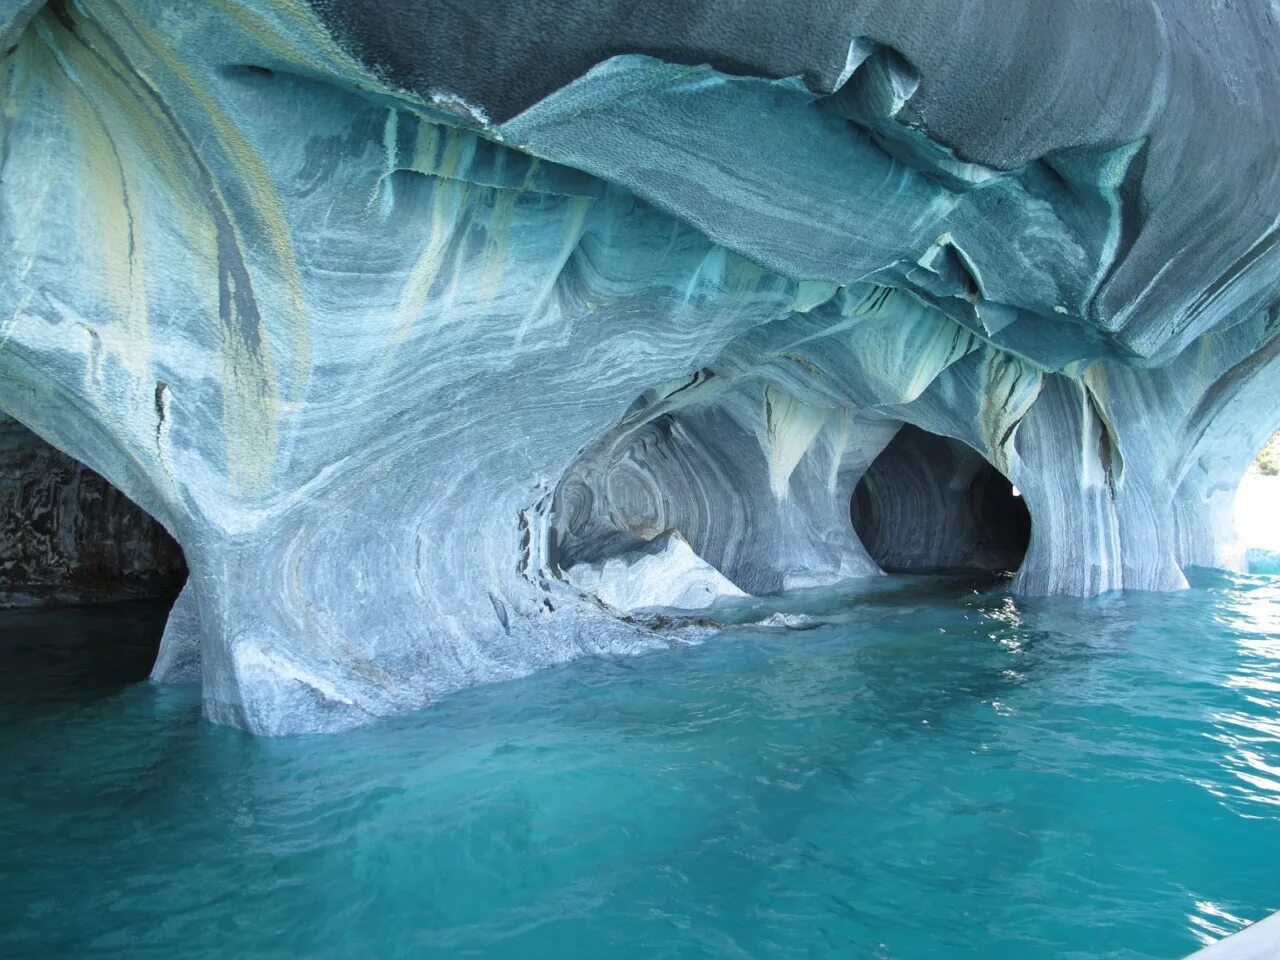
(437,343)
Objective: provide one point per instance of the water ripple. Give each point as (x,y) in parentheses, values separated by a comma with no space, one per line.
(934,769)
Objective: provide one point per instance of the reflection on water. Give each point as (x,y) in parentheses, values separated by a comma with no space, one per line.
(58,660)
(1249,732)
(929,769)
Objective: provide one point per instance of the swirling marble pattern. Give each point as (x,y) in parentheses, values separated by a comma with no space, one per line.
(390,336)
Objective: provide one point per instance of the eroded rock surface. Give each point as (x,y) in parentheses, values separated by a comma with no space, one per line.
(664,572)
(392,312)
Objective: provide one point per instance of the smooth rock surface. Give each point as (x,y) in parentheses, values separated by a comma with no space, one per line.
(665,572)
(390,315)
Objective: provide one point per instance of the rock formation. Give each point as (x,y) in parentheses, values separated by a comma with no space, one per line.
(391,313)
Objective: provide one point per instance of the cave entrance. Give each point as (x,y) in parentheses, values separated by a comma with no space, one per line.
(1257,510)
(69,543)
(932,504)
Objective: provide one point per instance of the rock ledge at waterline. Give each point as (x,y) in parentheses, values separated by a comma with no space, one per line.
(392,312)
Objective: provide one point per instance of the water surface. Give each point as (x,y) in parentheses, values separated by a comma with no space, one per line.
(932,772)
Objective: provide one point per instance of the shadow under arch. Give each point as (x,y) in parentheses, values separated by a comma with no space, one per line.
(69,538)
(930,503)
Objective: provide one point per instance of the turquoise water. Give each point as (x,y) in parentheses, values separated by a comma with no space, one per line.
(935,772)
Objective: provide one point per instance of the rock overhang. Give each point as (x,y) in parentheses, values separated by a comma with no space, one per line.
(352,324)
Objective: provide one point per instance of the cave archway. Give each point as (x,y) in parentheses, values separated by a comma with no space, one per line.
(931,504)
(69,539)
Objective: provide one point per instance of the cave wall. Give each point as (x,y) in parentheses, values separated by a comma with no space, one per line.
(69,537)
(367,334)
(758,484)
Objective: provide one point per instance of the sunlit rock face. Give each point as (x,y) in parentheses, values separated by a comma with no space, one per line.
(394,313)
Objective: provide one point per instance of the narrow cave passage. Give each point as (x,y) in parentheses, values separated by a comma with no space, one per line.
(70,543)
(930,503)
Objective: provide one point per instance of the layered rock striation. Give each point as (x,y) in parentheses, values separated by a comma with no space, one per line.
(393,314)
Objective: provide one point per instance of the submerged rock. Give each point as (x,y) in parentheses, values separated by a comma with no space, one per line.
(394,313)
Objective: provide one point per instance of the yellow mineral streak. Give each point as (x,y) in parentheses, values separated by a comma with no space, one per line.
(811,294)
(459,151)
(85,88)
(244,161)
(290,31)
(155,158)
(251,402)
(791,426)
(250,412)
(572,235)
(119,202)
(1009,388)
(448,200)
(495,247)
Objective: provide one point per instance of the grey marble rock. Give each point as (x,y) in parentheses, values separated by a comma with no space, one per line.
(662,573)
(393,313)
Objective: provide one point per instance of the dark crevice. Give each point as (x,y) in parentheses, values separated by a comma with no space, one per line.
(70,538)
(1108,450)
(62,14)
(932,504)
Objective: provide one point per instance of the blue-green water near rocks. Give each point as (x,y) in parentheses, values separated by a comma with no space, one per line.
(935,772)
